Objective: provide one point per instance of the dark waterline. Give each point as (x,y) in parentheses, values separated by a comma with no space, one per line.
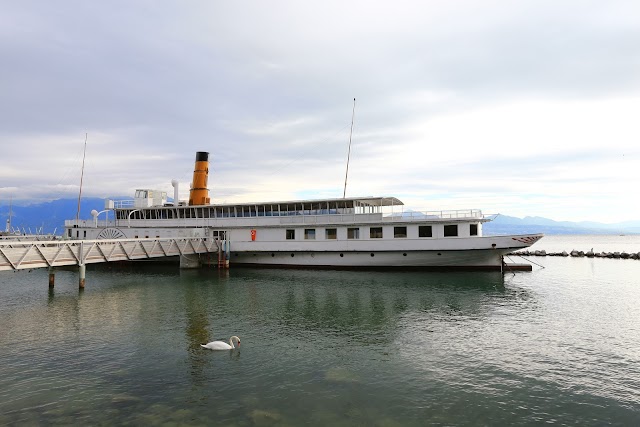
(558,345)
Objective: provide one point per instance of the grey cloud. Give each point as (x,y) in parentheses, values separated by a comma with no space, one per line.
(267,87)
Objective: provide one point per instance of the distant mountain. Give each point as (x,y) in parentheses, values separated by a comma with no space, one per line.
(49,218)
(503,224)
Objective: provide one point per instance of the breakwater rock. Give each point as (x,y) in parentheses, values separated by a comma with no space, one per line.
(580,254)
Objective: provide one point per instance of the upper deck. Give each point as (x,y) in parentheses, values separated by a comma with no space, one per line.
(326,211)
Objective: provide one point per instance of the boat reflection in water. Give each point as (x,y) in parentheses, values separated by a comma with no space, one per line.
(133,337)
(290,307)
(321,347)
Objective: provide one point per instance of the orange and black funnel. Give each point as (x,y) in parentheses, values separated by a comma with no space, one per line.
(199,193)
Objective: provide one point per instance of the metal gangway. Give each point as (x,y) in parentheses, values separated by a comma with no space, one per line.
(20,255)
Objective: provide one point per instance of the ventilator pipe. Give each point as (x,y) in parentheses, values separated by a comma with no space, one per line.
(199,193)
(94,214)
(176,192)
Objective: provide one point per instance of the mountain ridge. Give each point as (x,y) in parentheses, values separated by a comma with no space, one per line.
(504,224)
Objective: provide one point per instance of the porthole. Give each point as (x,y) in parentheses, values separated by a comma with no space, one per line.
(372,254)
(292,255)
(341,255)
(272,255)
(439,253)
(237,254)
(404,254)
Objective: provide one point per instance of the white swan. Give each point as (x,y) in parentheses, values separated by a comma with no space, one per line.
(221,345)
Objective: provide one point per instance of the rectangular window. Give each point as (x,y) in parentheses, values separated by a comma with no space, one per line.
(425,231)
(309,234)
(375,233)
(353,233)
(331,234)
(291,234)
(473,229)
(451,230)
(399,232)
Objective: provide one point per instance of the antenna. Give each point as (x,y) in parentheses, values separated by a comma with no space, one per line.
(353,113)
(81,177)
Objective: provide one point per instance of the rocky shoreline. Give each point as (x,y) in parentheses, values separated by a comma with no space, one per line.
(581,254)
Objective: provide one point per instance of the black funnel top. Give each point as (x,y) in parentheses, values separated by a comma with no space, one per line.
(202,156)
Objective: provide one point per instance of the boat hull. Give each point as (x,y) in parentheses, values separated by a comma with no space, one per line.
(489,259)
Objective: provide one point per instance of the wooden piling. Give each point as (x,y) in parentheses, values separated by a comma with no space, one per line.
(52,278)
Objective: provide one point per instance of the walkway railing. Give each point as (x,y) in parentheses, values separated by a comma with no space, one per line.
(17,255)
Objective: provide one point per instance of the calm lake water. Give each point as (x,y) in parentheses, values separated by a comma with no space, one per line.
(559,345)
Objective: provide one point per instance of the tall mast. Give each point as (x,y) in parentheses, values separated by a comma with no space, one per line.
(353,113)
(81,177)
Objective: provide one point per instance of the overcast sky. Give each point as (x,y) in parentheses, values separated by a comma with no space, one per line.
(513,107)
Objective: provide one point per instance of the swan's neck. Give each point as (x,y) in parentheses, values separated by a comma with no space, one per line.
(231,342)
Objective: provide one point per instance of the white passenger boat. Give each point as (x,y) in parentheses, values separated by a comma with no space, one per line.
(370,232)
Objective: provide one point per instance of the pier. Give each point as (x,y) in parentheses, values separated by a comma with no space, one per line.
(21,255)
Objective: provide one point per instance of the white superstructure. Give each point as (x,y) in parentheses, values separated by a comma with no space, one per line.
(347,232)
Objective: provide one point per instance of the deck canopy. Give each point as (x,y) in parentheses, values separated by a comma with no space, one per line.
(341,203)
(310,207)
(295,207)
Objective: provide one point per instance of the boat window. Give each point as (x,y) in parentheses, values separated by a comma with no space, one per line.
(291,234)
(309,233)
(399,232)
(219,235)
(375,233)
(473,229)
(331,233)
(451,230)
(353,233)
(425,231)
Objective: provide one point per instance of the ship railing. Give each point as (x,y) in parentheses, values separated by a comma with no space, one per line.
(435,215)
(296,219)
(89,223)
(121,204)
(78,223)
(409,216)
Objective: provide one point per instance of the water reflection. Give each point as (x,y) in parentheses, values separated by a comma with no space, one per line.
(368,306)
(353,347)
(197,328)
